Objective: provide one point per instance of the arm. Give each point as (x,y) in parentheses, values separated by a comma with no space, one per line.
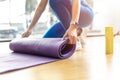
(71,33)
(75,10)
(41,7)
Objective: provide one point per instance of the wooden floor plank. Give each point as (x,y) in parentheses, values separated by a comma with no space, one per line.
(90,63)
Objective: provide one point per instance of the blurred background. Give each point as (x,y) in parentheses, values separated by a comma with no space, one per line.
(16,15)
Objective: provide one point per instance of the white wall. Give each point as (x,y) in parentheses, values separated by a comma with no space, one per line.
(107,12)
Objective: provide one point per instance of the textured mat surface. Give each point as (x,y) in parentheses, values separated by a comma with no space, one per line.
(28,52)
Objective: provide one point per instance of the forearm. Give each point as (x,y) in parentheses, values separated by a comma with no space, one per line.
(38,13)
(71,32)
(75,10)
(35,19)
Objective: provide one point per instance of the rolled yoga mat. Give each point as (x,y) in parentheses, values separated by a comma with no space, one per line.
(28,52)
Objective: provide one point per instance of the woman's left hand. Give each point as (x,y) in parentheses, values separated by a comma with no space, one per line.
(71,33)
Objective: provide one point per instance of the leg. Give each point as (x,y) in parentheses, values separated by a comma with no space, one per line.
(86,16)
(62,10)
(57,30)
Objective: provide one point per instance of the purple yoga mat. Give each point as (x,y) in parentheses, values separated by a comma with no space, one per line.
(28,52)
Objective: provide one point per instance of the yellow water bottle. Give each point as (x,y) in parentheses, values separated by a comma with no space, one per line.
(109,39)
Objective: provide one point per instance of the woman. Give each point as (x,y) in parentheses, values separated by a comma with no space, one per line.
(73,15)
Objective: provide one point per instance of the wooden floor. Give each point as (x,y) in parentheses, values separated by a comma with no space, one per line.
(91,63)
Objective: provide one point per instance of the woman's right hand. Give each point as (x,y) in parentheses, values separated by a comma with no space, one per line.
(27,33)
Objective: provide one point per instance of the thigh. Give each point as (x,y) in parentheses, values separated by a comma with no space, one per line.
(62,10)
(86,14)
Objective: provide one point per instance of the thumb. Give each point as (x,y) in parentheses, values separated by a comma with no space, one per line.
(65,35)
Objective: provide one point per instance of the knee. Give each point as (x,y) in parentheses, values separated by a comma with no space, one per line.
(86,17)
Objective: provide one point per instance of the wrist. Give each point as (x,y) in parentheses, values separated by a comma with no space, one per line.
(30,29)
(74,23)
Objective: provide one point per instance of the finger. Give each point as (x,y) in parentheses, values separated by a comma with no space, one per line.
(65,35)
(23,35)
(72,40)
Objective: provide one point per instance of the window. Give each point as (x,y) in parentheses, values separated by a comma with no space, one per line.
(16,15)
(106,14)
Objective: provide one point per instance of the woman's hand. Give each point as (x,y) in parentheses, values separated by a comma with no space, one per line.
(71,33)
(27,33)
